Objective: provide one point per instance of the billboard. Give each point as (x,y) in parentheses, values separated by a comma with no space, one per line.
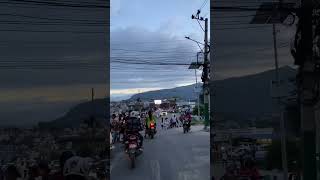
(157,101)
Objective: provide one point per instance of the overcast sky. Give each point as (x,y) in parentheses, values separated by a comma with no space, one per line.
(153,31)
(50,59)
(241,48)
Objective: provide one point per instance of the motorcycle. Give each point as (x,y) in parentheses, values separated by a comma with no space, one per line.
(133,149)
(152,130)
(186,126)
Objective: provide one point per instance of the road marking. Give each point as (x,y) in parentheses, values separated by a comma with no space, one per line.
(155,169)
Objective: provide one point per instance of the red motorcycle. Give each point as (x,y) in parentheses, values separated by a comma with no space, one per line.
(133,148)
(152,130)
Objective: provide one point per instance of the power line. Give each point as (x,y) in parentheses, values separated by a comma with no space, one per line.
(53,31)
(55,4)
(53,19)
(203,4)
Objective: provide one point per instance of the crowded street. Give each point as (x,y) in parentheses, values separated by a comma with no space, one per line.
(171,155)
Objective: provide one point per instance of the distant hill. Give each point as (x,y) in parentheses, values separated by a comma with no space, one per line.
(79,113)
(234,98)
(183,92)
(248,94)
(242,95)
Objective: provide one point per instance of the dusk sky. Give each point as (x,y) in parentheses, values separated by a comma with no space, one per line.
(153,31)
(51,57)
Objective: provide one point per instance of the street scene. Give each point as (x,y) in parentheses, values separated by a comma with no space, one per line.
(170,154)
(159,115)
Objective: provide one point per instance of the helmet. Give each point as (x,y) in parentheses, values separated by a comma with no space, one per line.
(76,166)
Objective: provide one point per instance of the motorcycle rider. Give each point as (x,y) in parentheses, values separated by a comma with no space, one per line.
(187,119)
(133,125)
(150,119)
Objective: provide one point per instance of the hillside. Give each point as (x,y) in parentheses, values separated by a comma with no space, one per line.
(81,112)
(236,98)
(183,92)
(248,94)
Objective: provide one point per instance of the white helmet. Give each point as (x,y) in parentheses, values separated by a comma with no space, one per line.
(76,166)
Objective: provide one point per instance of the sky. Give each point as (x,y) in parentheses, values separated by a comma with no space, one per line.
(241,48)
(51,57)
(153,31)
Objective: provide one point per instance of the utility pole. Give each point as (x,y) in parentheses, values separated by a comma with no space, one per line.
(205,73)
(282,123)
(198,98)
(306,70)
(92,99)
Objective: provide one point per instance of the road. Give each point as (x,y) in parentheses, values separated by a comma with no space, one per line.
(172,155)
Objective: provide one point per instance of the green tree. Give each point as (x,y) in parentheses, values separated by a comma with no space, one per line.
(195,110)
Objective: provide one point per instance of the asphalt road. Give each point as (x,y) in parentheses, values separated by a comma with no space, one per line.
(172,155)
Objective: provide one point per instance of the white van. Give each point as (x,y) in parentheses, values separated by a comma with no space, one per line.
(164,113)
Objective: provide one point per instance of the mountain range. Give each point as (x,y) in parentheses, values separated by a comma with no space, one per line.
(237,97)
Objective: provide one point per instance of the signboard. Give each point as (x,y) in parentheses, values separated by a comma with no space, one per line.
(157,102)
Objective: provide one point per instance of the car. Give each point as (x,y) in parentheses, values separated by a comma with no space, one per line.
(164,113)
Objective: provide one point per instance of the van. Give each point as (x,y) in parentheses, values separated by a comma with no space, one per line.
(164,113)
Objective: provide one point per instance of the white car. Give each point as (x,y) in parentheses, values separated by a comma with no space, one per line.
(164,113)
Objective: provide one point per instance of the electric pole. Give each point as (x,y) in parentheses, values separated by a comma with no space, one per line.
(205,73)
(306,72)
(206,89)
(92,99)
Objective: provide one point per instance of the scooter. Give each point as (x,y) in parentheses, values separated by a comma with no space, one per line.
(152,130)
(133,149)
(186,126)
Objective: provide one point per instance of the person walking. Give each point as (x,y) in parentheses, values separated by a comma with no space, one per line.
(162,123)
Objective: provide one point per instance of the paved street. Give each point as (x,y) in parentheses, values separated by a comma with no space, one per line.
(172,155)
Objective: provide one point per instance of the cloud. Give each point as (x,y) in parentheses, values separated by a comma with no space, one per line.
(115,7)
(136,45)
(131,91)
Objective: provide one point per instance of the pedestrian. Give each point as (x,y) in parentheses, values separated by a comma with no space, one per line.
(175,119)
(162,123)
